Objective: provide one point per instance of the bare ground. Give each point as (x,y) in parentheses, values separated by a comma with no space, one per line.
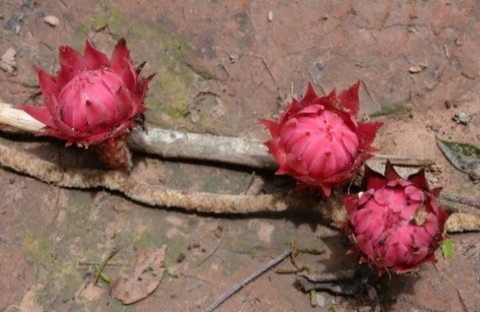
(220,66)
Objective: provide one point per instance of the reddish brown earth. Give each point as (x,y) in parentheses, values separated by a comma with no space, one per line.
(221,65)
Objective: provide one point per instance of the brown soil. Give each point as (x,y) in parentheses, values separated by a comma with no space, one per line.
(220,66)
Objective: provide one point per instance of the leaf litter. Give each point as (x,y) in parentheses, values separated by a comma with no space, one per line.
(145,278)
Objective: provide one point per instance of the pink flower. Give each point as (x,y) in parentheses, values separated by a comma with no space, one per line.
(92,98)
(397,224)
(318,140)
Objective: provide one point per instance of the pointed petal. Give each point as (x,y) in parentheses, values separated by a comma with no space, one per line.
(119,55)
(309,96)
(373,179)
(291,109)
(65,75)
(142,89)
(277,153)
(350,203)
(390,172)
(48,84)
(326,190)
(436,191)
(40,113)
(122,65)
(349,98)
(105,135)
(419,180)
(94,58)
(366,133)
(272,127)
(123,105)
(71,58)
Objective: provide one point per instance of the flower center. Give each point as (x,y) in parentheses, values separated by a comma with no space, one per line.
(94,88)
(322,140)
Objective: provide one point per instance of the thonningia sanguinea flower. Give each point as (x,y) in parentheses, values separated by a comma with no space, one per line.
(396,224)
(93,101)
(319,141)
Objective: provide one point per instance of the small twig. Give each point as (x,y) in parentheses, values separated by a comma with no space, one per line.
(250,183)
(293,260)
(104,263)
(214,249)
(472,202)
(264,64)
(405,161)
(93,263)
(370,95)
(250,278)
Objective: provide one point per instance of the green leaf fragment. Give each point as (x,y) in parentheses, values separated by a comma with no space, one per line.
(447,248)
(313,298)
(463,156)
(103,276)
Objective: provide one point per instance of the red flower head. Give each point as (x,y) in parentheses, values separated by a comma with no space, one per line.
(397,224)
(93,98)
(318,140)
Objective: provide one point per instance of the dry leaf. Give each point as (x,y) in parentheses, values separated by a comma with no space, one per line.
(145,278)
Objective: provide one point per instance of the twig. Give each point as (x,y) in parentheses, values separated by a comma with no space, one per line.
(251,277)
(214,249)
(250,183)
(264,64)
(165,143)
(93,263)
(473,202)
(110,255)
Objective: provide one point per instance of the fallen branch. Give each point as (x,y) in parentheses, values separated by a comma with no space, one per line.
(250,278)
(176,144)
(330,208)
(165,143)
(158,195)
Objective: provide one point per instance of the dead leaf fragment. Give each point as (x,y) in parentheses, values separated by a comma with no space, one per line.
(145,278)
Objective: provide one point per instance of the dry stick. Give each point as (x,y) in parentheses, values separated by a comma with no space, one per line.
(157,195)
(214,249)
(110,255)
(251,277)
(165,143)
(473,202)
(176,144)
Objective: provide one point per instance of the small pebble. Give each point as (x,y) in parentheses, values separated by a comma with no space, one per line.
(372,293)
(320,301)
(218,231)
(52,20)
(181,257)
(18,27)
(270,16)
